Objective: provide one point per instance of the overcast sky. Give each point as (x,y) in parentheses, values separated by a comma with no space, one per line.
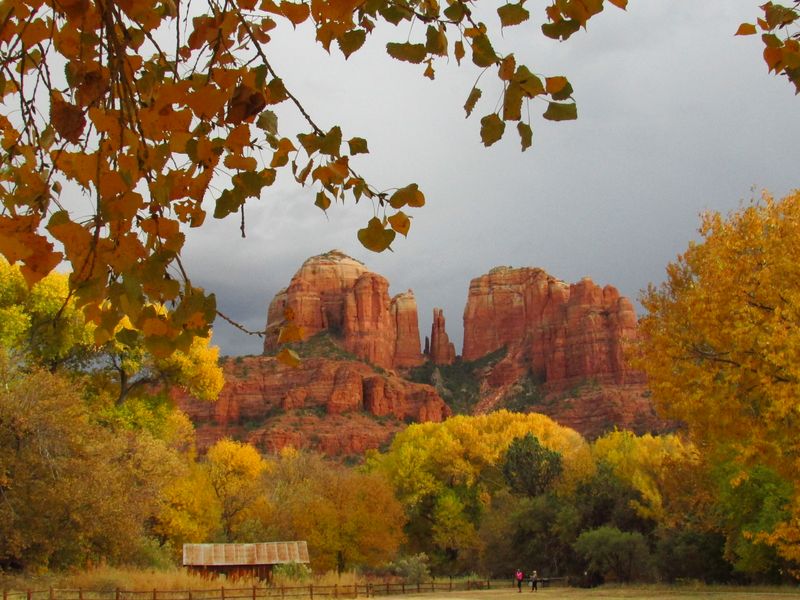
(676,116)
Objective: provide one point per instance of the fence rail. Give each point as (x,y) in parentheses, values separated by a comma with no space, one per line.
(259,592)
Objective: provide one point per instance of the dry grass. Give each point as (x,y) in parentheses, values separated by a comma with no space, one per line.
(107,579)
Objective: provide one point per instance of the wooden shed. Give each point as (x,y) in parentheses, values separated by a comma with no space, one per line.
(242,560)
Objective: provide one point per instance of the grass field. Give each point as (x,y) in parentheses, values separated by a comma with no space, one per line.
(620,593)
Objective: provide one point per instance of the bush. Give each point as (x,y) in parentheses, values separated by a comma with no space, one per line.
(609,551)
(413,569)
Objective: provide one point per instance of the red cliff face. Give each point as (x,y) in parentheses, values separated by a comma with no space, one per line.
(337,293)
(570,339)
(561,333)
(406,324)
(441,350)
(336,407)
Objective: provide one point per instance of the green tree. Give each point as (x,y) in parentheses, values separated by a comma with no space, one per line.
(609,551)
(529,467)
(445,475)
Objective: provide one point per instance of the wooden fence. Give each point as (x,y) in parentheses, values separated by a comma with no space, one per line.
(259,592)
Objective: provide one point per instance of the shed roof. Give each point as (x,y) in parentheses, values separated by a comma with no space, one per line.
(265,553)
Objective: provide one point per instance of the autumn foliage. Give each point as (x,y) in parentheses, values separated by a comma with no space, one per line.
(153,110)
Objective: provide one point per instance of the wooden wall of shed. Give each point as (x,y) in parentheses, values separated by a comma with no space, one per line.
(233,572)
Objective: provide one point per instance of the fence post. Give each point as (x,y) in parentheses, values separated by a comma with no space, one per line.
(116,594)
(282,592)
(254,592)
(335,590)
(154,593)
(80,594)
(488,584)
(311,590)
(30,594)
(222,592)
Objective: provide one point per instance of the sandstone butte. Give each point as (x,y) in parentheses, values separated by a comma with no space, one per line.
(336,293)
(569,340)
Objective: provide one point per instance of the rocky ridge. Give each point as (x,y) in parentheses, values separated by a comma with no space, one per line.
(531,343)
(339,407)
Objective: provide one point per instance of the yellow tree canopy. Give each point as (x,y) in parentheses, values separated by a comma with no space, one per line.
(647,463)
(721,339)
(426,458)
(721,347)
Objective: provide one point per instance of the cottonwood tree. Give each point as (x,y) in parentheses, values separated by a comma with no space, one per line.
(43,326)
(721,346)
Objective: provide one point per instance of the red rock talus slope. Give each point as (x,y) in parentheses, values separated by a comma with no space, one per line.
(338,407)
(336,293)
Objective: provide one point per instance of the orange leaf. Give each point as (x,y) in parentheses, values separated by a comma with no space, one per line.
(296,13)
(161,226)
(746,29)
(77,166)
(154,326)
(242,163)
(290,333)
(207,101)
(238,138)
(111,184)
(553,85)
(773,57)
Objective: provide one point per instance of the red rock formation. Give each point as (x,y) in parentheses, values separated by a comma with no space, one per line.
(442,351)
(261,396)
(336,293)
(561,333)
(406,324)
(570,339)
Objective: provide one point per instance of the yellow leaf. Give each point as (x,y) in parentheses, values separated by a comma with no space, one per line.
(400,223)
(409,195)
(375,237)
